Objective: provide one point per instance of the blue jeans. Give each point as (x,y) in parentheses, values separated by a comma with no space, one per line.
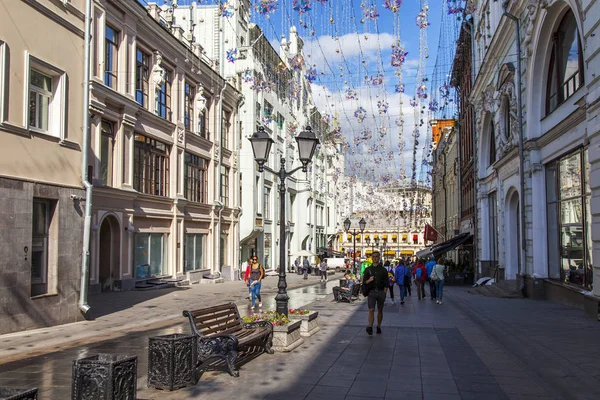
(439,289)
(402,292)
(255,292)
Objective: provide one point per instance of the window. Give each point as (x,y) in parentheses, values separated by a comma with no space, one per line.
(225,186)
(506,118)
(163,96)
(188,109)
(569,219)
(225,130)
(111,48)
(565,75)
(202,131)
(40,96)
(150,166)
(107,142)
(142,73)
(267,202)
(150,254)
(309,210)
(223,249)
(292,211)
(194,252)
(492,143)
(39,245)
(195,179)
(268,113)
(415,239)
(493,228)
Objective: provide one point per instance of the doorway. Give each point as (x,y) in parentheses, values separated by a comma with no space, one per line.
(513,237)
(108,252)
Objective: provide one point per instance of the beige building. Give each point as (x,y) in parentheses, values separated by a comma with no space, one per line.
(164,140)
(41,70)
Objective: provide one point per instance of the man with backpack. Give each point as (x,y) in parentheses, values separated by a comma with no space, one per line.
(430,264)
(420,277)
(402,277)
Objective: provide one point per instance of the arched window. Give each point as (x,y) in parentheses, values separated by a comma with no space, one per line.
(565,74)
(492,147)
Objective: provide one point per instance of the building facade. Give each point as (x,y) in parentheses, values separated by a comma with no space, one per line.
(164,141)
(41,192)
(537,216)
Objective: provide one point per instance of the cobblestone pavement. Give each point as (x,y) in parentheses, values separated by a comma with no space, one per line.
(471,347)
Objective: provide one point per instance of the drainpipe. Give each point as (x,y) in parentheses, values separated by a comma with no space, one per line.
(218,203)
(521,150)
(238,124)
(85,255)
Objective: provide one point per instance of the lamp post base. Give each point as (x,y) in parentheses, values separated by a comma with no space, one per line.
(282,303)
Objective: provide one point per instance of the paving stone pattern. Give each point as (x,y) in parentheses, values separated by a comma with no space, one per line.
(471,347)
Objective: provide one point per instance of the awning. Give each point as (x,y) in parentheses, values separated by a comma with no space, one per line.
(404,237)
(385,236)
(368,252)
(349,237)
(407,253)
(394,236)
(389,253)
(444,247)
(253,235)
(366,235)
(376,236)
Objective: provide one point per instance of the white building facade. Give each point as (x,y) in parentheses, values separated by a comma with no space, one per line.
(559,176)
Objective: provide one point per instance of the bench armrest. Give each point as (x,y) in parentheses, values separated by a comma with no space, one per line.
(192,323)
(258,324)
(219,345)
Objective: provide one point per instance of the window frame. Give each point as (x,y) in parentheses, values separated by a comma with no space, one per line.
(577,79)
(3,80)
(267,202)
(164,253)
(163,100)
(149,159)
(225,128)
(44,237)
(110,156)
(195,237)
(492,145)
(142,84)
(195,184)
(189,96)
(111,47)
(224,190)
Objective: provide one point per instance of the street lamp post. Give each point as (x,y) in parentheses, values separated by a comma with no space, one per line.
(261,146)
(361,225)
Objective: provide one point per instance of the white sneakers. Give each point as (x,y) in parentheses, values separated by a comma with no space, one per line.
(438,301)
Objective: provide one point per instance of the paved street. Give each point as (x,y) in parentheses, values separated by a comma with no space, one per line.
(471,347)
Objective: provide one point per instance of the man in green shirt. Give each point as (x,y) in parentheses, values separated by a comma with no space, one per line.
(376,278)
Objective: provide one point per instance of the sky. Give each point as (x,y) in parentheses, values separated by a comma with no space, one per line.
(349,44)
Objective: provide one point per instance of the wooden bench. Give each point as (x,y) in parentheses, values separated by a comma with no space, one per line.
(223,337)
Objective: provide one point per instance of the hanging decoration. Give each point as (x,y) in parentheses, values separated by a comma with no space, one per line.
(445,91)
(433,106)
(311,74)
(374,80)
(351,94)
(296,62)
(371,12)
(422,20)
(266,7)
(398,56)
(295,89)
(292,128)
(422,92)
(360,114)
(414,102)
(392,5)
(454,7)
(302,6)
(247,76)
(226,9)
(399,88)
(231,55)
(382,106)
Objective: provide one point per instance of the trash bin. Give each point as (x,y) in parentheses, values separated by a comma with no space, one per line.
(171,361)
(114,375)
(18,394)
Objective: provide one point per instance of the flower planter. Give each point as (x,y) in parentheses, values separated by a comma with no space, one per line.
(287,337)
(172,361)
(105,377)
(309,323)
(18,394)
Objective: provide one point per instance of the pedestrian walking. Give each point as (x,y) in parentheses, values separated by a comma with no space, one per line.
(420,272)
(376,279)
(392,280)
(402,276)
(296,263)
(305,267)
(438,275)
(429,266)
(323,270)
(410,266)
(257,273)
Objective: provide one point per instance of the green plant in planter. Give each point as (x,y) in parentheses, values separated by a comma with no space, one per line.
(298,311)
(270,316)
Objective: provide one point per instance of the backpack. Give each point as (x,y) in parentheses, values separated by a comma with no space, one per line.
(391,278)
(419,273)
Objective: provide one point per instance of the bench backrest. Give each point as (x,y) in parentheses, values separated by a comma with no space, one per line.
(224,318)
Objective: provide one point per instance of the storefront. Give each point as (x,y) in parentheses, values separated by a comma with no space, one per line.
(150,254)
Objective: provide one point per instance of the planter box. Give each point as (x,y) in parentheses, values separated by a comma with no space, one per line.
(309,325)
(287,337)
(172,361)
(105,377)
(18,394)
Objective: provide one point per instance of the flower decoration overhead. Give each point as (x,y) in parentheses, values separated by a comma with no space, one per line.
(398,56)
(454,7)
(266,7)
(226,9)
(247,76)
(375,80)
(302,6)
(295,89)
(371,12)
(445,91)
(422,92)
(231,55)
(311,75)
(399,88)
(267,119)
(414,102)
(382,106)
(433,106)
(392,5)
(360,114)
(296,62)
(422,20)
(351,94)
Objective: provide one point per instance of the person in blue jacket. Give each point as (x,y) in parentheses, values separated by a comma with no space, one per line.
(429,266)
(402,277)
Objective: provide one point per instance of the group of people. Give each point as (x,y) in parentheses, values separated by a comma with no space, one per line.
(379,278)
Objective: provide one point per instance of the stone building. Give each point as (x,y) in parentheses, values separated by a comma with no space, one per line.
(164,137)
(538,174)
(41,97)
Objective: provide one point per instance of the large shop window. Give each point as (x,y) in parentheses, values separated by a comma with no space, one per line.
(569,220)
(565,75)
(196,182)
(150,255)
(42,248)
(194,252)
(151,166)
